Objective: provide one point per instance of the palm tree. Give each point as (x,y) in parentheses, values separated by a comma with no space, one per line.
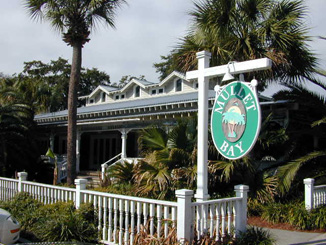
(170,159)
(75,20)
(249,29)
(304,161)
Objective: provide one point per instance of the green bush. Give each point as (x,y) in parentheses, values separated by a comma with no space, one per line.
(255,208)
(24,208)
(275,212)
(58,222)
(255,236)
(296,215)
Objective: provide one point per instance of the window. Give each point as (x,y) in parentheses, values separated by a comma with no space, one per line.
(178,85)
(122,96)
(196,85)
(160,90)
(103,97)
(91,101)
(153,91)
(137,91)
(117,97)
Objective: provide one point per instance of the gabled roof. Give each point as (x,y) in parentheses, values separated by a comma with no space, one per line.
(141,83)
(172,75)
(106,89)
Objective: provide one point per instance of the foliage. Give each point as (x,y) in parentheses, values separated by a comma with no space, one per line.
(241,30)
(255,236)
(18,134)
(75,20)
(24,208)
(53,222)
(45,86)
(295,214)
(63,222)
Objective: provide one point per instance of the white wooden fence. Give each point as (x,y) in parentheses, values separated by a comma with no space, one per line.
(314,195)
(121,217)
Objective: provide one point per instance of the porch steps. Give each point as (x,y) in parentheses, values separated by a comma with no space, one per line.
(93,178)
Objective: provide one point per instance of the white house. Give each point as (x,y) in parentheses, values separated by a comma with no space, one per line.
(110,122)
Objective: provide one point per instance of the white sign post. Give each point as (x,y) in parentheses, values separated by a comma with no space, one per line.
(203,74)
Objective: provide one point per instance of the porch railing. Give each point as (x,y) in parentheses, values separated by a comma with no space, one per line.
(105,165)
(315,196)
(121,218)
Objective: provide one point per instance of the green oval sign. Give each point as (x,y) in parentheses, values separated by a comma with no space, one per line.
(235,121)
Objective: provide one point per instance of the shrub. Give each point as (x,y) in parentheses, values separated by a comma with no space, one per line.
(318,218)
(61,222)
(299,217)
(255,236)
(24,208)
(53,222)
(275,213)
(255,208)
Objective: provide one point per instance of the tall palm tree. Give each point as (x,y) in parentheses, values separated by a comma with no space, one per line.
(249,29)
(75,19)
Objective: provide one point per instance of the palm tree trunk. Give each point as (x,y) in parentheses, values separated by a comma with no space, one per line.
(72,112)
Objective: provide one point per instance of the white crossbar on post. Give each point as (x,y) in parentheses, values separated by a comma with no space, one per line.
(235,68)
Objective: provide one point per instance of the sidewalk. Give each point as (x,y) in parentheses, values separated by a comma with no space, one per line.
(285,237)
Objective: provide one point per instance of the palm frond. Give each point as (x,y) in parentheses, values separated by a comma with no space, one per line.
(287,173)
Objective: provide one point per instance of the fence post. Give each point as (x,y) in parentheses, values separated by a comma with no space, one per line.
(308,193)
(184,217)
(22,176)
(80,185)
(103,169)
(241,208)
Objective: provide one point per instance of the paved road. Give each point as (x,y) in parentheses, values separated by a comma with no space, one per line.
(284,237)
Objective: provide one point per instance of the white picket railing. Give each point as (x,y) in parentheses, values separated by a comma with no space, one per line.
(121,218)
(315,196)
(8,188)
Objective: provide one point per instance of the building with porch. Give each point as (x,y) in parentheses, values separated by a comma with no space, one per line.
(109,124)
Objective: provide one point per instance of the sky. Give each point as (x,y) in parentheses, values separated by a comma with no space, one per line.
(145,30)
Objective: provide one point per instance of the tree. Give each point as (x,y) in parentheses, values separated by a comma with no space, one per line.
(247,29)
(75,20)
(47,84)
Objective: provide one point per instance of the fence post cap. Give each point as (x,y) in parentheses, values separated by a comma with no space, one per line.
(22,174)
(241,188)
(104,165)
(80,181)
(184,192)
(308,181)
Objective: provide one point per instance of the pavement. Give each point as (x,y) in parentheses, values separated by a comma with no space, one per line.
(285,237)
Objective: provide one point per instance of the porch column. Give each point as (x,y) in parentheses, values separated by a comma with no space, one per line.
(78,141)
(52,142)
(124,136)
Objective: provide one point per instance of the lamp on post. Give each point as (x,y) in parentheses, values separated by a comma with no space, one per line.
(228,76)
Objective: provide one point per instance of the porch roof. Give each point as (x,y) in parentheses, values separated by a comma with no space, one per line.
(129,109)
(127,105)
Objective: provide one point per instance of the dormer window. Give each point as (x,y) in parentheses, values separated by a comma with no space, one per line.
(137,91)
(178,85)
(120,96)
(91,101)
(103,98)
(153,91)
(160,90)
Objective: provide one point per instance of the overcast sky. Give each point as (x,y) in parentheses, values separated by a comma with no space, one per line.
(145,29)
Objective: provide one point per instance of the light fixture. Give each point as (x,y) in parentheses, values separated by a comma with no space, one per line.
(228,76)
